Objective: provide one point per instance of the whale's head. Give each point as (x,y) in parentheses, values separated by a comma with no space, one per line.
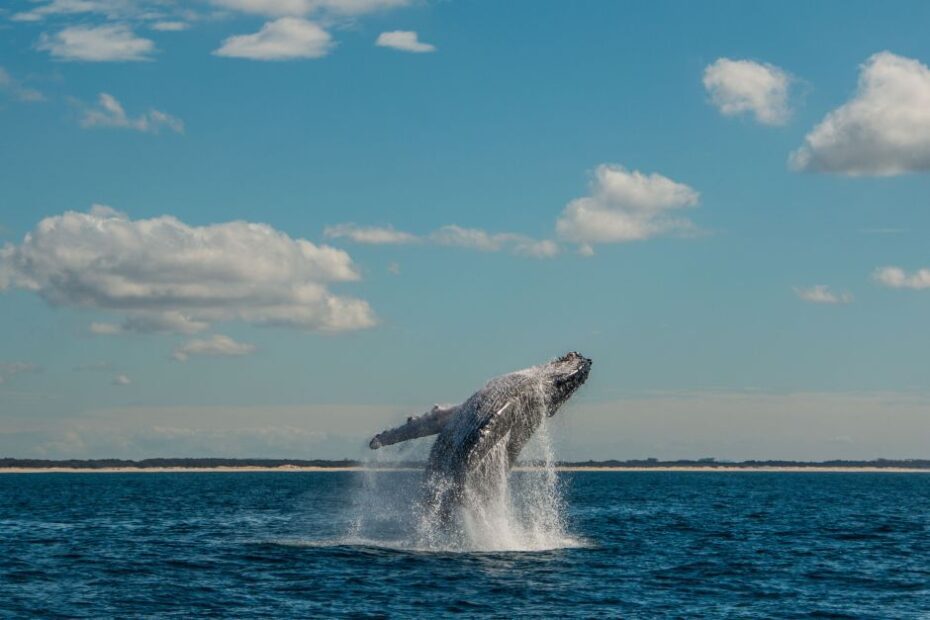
(563,376)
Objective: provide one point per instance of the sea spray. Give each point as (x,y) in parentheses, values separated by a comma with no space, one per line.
(519,511)
(468,498)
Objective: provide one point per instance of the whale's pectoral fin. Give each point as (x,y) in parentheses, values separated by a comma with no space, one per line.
(430,423)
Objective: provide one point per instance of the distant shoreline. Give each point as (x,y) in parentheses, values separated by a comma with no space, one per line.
(561,468)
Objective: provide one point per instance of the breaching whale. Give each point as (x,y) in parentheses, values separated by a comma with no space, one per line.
(493,423)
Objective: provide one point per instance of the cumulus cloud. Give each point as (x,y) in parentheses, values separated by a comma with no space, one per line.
(369,234)
(120,380)
(108,112)
(302,8)
(287,38)
(405,41)
(821,294)
(450,236)
(107,43)
(743,86)
(13,88)
(216,345)
(625,206)
(895,277)
(883,130)
(161,274)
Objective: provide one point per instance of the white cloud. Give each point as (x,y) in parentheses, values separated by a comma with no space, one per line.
(170,26)
(162,274)
(883,130)
(470,238)
(105,329)
(302,8)
(740,86)
(107,43)
(369,234)
(481,240)
(895,277)
(532,248)
(110,113)
(287,38)
(821,294)
(394,268)
(216,345)
(405,41)
(121,380)
(111,9)
(16,90)
(450,236)
(626,206)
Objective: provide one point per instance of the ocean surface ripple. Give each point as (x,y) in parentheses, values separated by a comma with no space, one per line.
(643,545)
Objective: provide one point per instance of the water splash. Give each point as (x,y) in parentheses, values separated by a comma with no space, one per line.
(503,510)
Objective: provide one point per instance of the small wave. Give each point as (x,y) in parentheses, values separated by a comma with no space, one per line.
(413,547)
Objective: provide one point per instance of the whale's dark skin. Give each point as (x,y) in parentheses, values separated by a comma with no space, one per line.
(508,409)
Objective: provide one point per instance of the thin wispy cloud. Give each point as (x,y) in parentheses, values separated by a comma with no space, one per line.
(373,235)
(109,113)
(822,294)
(896,277)
(170,26)
(303,8)
(216,345)
(287,38)
(15,89)
(11,369)
(481,240)
(450,236)
(94,367)
(745,86)
(626,205)
(121,380)
(106,43)
(884,130)
(109,9)
(405,41)
(161,274)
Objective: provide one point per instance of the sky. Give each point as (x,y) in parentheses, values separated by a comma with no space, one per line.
(272,228)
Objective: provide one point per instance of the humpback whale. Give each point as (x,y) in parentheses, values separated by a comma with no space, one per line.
(488,430)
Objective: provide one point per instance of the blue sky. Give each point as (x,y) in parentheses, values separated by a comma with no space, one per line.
(724,205)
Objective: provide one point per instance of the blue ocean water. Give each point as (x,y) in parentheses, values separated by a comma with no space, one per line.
(290,545)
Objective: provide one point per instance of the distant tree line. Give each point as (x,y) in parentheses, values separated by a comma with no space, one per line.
(192,463)
(209,463)
(711,463)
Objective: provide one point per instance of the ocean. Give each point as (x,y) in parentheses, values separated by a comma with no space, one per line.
(345,545)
